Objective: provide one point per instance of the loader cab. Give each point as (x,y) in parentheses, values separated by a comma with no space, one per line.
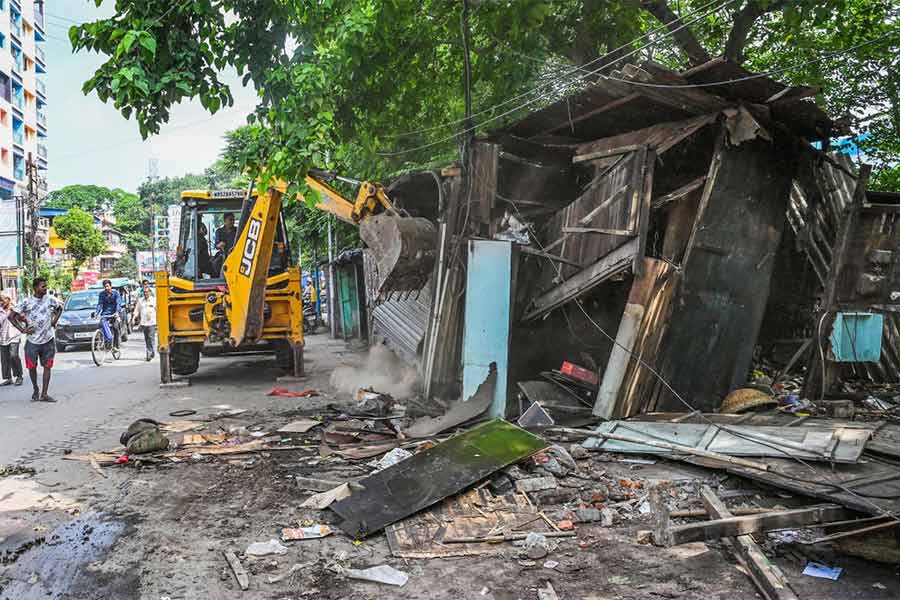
(205,238)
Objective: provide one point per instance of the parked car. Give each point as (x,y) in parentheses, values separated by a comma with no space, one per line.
(77,324)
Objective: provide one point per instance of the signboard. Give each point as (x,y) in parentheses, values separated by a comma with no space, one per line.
(85,279)
(144,259)
(174,217)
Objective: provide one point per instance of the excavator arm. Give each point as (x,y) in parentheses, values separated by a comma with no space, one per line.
(246,267)
(371,198)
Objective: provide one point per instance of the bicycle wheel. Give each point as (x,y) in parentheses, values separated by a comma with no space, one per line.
(98,348)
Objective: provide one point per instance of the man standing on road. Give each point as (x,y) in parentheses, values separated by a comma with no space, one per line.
(9,345)
(37,316)
(145,316)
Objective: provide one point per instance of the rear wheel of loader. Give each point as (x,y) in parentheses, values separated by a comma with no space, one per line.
(184,358)
(284,355)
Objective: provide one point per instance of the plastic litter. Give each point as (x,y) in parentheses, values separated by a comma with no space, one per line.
(266,548)
(392,458)
(385,574)
(305,533)
(814,569)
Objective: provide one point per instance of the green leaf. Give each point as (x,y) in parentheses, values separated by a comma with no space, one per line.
(149,43)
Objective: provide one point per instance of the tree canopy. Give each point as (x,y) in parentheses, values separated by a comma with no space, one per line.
(83,240)
(370,87)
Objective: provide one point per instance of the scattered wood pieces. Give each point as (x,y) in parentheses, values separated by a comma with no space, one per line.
(507,537)
(734,526)
(299,426)
(317,485)
(96,466)
(767,577)
(237,568)
(323,500)
(536,484)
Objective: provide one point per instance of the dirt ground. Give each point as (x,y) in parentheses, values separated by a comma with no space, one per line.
(159,532)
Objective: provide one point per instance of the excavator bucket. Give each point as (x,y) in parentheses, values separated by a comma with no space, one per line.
(403,249)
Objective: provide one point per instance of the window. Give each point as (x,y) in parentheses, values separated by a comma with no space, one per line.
(5,87)
(18,167)
(18,131)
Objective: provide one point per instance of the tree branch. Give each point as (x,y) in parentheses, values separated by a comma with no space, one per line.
(742,24)
(682,36)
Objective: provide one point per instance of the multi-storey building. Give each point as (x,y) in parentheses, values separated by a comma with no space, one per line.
(23,121)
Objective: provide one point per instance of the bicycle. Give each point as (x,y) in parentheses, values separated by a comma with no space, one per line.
(106,340)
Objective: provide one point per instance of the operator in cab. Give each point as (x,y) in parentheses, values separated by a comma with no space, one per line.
(224,239)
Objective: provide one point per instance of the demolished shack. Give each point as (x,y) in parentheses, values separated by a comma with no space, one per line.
(696,218)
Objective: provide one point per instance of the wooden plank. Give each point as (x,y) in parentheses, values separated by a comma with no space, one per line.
(735,526)
(237,568)
(643,211)
(679,193)
(579,158)
(603,230)
(484,185)
(642,287)
(767,577)
(613,263)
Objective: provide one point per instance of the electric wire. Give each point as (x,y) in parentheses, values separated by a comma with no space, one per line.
(541,97)
(644,84)
(568,72)
(758,75)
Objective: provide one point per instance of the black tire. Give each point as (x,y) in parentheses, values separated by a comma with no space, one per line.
(98,348)
(284,355)
(185,358)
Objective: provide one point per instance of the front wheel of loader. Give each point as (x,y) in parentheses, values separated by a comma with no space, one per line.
(184,358)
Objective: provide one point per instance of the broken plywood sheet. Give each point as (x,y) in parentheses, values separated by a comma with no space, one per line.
(434,474)
(838,445)
(475,514)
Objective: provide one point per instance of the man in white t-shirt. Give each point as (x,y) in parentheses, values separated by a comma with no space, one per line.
(36,316)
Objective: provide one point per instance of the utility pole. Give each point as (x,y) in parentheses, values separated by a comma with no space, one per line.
(32,203)
(152,175)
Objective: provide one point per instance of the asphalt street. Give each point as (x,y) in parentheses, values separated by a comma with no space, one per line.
(95,404)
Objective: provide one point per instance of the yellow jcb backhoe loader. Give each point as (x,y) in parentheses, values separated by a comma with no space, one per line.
(234,289)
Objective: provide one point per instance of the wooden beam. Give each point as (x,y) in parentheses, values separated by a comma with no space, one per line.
(547,255)
(603,230)
(578,158)
(240,573)
(735,526)
(679,193)
(768,578)
(613,263)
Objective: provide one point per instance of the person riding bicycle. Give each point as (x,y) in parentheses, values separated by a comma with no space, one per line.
(108,307)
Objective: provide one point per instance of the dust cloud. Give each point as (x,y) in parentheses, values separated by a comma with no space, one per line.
(382,371)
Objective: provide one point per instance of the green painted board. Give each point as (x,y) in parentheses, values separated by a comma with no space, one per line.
(430,476)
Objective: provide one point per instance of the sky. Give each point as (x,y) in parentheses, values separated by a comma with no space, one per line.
(89,142)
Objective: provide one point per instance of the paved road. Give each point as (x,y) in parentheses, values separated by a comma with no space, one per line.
(95,404)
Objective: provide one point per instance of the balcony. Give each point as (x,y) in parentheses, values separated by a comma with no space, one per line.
(40,55)
(18,101)
(42,151)
(41,87)
(15,28)
(38,16)
(42,119)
